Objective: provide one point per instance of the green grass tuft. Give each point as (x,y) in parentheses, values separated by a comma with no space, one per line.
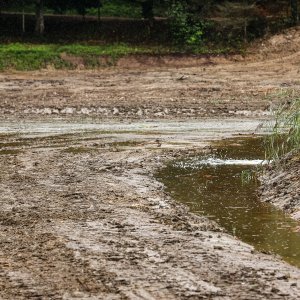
(285,135)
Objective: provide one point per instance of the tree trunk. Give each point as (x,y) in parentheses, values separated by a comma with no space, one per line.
(39,15)
(23,18)
(23,22)
(294,11)
(98,18)
(245,30)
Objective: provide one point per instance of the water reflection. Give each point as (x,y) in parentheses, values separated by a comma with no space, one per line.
(217,191)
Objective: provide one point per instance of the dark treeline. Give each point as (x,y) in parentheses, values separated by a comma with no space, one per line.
(59,6)
(195,8)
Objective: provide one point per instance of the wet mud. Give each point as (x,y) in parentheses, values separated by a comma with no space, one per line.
(97,224)
(281,185)
(82,215)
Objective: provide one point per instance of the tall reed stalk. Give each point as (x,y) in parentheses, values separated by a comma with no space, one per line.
(285,135)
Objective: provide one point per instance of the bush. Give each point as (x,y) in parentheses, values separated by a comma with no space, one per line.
(184,30)
(118,8)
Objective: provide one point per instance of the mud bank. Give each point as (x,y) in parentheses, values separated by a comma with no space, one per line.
(281,185)
(83,217)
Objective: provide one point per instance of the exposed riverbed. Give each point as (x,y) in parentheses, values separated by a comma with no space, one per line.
(82,216)
(223,187)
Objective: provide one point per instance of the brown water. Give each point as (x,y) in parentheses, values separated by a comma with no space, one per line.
(212,188)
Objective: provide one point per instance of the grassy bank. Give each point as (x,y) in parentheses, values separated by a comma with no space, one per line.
(32,57)
(24,56)
(285,135)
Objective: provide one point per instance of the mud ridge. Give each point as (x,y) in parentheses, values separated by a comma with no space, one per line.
(281,185)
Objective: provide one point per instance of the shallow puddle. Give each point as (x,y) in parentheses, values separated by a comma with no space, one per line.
(223,186)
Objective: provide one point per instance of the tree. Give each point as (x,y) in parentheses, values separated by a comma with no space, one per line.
(81,6)
(19,4)
(58,6)
(294,11)
(147,9)
(61,6)
(39,17)
(244,10)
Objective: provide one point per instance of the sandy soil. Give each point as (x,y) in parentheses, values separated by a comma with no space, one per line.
(82,216)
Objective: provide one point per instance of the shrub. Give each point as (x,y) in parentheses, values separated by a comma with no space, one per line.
(184,30)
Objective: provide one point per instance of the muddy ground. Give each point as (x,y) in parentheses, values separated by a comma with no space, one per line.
(281,185)
(83,217)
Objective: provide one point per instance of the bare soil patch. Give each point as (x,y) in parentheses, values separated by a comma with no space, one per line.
(85,218)
(277,46)
(142,87)
(215,87)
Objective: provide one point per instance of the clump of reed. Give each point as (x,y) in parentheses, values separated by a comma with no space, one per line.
(285,132)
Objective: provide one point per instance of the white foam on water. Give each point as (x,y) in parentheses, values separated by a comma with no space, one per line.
(221,162)
(235,162)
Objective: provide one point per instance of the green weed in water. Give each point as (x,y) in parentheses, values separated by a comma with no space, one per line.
(247,176)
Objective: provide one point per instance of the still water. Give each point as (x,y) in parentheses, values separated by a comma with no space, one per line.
(223,187)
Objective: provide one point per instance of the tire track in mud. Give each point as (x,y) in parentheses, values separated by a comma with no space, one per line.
(73,229)
(96,224)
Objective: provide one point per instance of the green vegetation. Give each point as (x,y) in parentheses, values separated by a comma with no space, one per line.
(248,176)
(23,56)
(26,57)
(285,136)
(196,11)
(118,8)
(191,27)
(184,31)
(31,57)
(79,150)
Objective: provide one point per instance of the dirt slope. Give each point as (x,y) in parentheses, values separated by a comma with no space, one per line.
(279,45)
